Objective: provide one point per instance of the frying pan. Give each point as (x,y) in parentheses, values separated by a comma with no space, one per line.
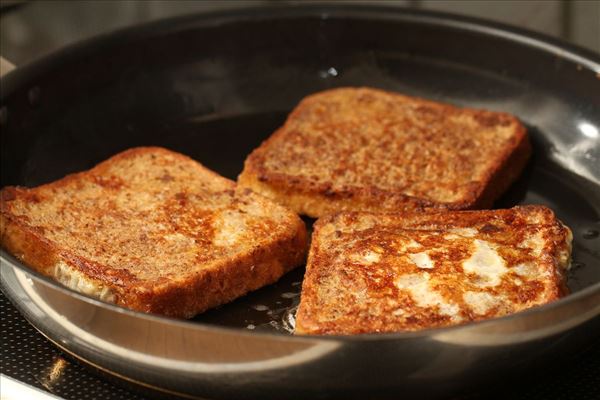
(214,86)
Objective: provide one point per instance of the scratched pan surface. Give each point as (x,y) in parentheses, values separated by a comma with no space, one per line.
(213,87)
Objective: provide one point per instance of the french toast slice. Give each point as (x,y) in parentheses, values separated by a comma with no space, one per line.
(363,149)
(371,273)
(154,231)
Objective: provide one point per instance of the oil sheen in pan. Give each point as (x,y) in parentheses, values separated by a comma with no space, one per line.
(272,308)
(543,182)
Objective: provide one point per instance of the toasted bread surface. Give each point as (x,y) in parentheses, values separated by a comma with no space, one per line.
(152,230)
(371,273)
(371,150)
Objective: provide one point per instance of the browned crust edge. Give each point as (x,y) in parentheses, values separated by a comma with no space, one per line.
(316,200)
(306,322)
(222,282)
(506,171)
(227,280)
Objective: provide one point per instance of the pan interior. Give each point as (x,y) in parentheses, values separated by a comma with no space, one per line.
(217,99)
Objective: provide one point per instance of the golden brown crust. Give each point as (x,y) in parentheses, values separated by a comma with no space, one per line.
(156,230)
(371,272)
(371,150)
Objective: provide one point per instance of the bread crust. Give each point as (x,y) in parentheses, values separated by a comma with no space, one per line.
(311,191)
(230,270)
(371,272)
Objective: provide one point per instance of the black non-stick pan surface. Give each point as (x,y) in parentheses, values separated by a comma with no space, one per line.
(214,86)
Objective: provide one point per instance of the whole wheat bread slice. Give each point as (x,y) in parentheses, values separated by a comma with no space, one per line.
(371,150)
(404,272)
(154,231)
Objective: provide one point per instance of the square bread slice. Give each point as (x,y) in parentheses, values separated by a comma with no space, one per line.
(371,273)
(370,150)
(154,231)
